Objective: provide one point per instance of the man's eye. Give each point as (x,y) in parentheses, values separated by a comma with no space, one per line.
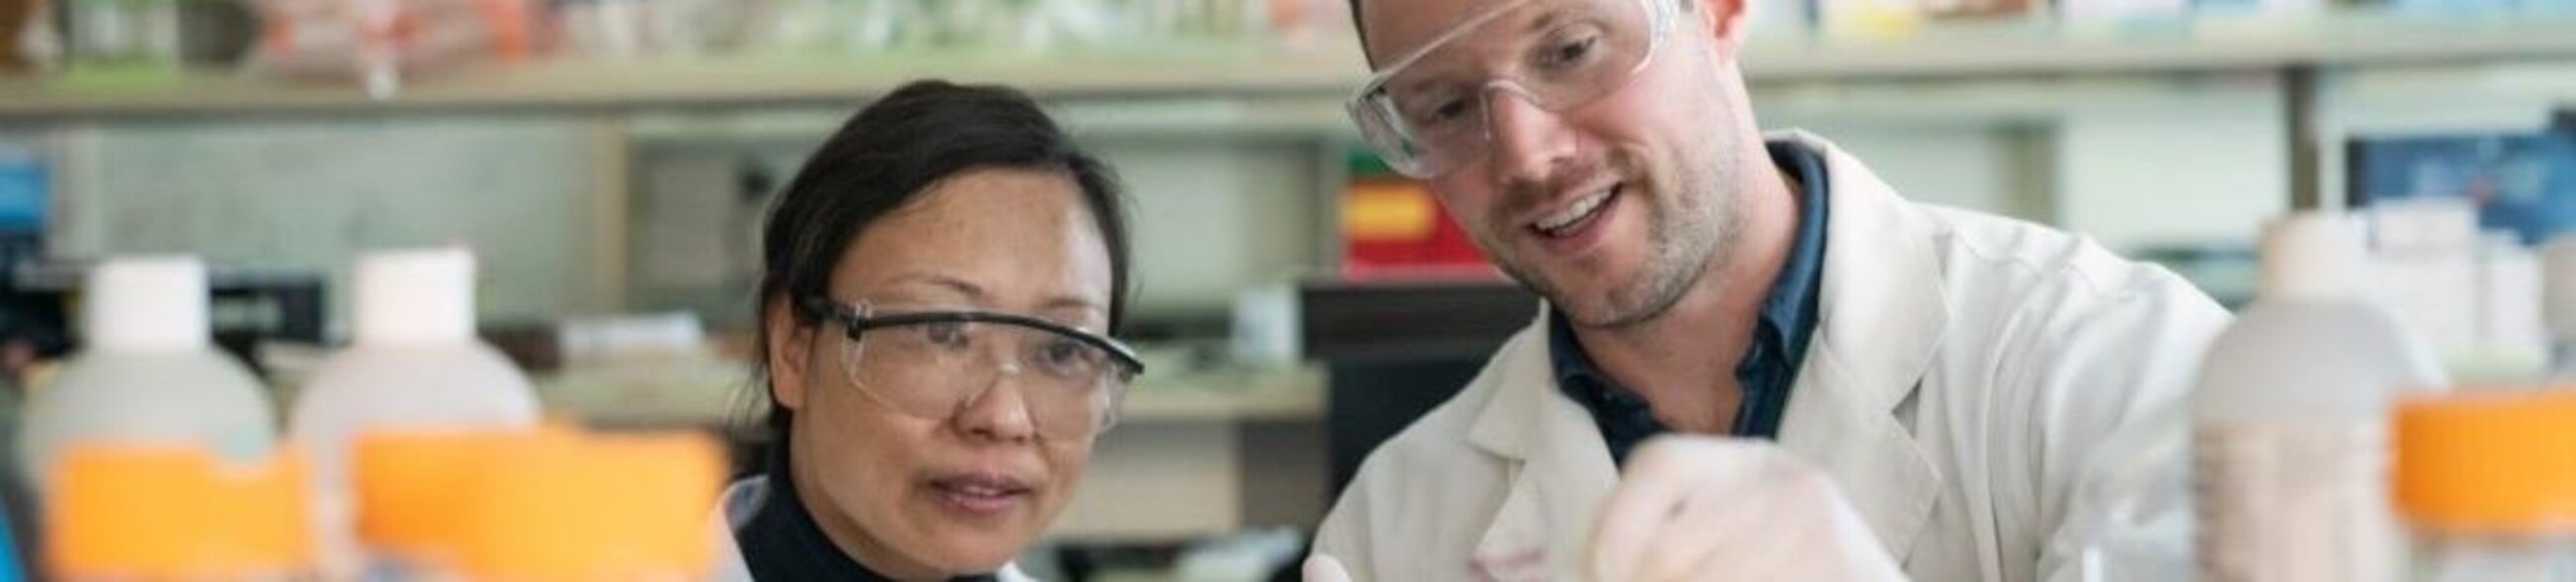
(1447,111)
(1569,52)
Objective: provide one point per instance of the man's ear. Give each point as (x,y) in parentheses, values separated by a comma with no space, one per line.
(791,345)
(1722,21)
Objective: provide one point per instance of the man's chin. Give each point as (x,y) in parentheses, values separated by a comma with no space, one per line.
(1597,306)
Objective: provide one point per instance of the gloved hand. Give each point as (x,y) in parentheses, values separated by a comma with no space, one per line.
(1706,508)
(1323,568)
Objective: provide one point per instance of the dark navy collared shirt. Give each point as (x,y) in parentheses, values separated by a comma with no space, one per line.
(1770,364)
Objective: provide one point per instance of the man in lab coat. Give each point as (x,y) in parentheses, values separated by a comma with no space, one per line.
(1947,394)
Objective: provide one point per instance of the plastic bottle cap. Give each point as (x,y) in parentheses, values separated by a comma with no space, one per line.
(2312,255)
(170,513)
(597,507)
(147,303)
(415,296)
(2488,463)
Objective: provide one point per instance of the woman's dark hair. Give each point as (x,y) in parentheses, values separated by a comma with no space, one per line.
(889,155)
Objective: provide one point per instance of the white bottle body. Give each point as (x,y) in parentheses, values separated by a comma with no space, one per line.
(415,366)
(461,386)
(465,386)
(2290,442)
(187,397)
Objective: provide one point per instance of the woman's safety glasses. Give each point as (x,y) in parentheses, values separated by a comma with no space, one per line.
(933,362)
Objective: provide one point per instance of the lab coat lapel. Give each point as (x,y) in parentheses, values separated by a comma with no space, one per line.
(1881,313)
(1559,467)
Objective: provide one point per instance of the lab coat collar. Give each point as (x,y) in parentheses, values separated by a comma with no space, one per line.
(1881,317)
(1560,468)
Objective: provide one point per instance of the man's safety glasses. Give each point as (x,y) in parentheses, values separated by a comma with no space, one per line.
(1425,113)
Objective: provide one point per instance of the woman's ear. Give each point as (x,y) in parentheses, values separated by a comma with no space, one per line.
(791,345)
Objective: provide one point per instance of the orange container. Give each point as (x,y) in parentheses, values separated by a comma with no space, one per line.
(412,486)
(568,507)
(171,512)
(2487,463)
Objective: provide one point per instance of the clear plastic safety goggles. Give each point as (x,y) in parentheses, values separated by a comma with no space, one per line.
(1425,114)
(931,362)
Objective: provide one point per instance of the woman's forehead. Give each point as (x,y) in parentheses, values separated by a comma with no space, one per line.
(1021,239)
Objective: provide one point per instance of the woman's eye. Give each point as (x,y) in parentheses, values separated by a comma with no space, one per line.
(1068,356)
(945,333)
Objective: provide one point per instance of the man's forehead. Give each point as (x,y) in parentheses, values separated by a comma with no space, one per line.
(1396,28)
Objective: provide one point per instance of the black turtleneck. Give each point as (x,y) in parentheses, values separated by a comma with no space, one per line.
(782,542)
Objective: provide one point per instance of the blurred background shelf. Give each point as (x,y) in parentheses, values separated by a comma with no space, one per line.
(1321,73)
(2354,39)
(689,84)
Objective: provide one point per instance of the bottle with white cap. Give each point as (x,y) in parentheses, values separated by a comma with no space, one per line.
(2290,445)
(147,373)
(415,365)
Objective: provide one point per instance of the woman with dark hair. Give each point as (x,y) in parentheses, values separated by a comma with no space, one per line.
(940,284)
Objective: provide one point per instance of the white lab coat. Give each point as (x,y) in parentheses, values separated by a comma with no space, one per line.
(1965,374)
(741,500)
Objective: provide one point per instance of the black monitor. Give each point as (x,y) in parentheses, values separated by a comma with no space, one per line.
(1392,351)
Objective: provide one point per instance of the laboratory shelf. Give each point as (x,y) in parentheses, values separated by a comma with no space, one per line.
(1317,73)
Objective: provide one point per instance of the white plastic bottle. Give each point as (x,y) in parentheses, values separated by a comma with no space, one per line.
(415,365)
(2290,443)
(147,373)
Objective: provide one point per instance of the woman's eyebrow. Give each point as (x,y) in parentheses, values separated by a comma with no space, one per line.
(1073,302)
(977,294)
(972,292)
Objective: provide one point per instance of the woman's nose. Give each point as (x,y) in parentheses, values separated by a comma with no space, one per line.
(999,412)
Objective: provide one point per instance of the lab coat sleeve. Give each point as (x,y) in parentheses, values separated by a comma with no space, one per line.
(2107,389)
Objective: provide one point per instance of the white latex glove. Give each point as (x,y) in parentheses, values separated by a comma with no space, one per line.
(1706,508)
(1323,568)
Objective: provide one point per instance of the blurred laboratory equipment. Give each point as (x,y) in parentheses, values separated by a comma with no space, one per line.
(118,511)
(27,39)
(1251,556)
(2474,295)
(415,364)
(134,35)
(2514,180)
(2289,441)
(251,309)
(2486,482)
(379,42)
(2558,271)
(148,373)
(12,567)
(1392,228)
(1264,330)
(130,42)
